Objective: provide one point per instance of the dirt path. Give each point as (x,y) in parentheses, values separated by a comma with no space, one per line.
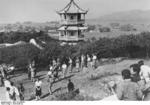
(93,87)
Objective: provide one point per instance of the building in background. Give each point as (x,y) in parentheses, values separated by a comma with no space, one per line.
(72,23)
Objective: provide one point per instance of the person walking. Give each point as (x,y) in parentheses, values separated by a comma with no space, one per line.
(50,81)
(64,70)
(77,64)
(9,97)
(3,75)
(94,58)
(21,90)
(34,67)
(7,83)
(70,86)
(1,80)
(82,61)
(14,92)
(38,89)
(88,61)
(70,65)
(29,72)
(32,74)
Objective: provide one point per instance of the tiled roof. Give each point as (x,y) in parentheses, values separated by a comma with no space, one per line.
(72,7)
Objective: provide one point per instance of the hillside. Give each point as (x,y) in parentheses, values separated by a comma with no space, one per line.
(134,16)
(91,87)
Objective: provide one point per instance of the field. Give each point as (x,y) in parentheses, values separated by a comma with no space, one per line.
(116,32)
(91,83)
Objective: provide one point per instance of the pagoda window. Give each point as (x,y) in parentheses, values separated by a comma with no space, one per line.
(65,33)
(79,16)
(71,33)
(72,17)
(64,16)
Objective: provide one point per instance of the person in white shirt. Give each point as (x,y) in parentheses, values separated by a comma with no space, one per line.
(50,75)
(82,61)
(94,61)
(14,92)
(144,71)
(38,83)
(50,67)
(38,89)
(8,95)
(70,64)
(7,83)
(64,70)
(50,81)
(88,61)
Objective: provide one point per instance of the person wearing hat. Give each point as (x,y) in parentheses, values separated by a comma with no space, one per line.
(50,79)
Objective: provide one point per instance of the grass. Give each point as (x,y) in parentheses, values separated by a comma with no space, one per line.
(116,32)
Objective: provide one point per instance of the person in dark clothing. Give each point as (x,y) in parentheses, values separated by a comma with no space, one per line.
(85,61)
(135,77)
(21,91)
(29,71)
(70,86)
(1,80)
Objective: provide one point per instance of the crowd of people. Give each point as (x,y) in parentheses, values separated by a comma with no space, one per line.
(135,85)
(58,69)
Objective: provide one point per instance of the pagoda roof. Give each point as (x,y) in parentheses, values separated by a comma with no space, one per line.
(71,28)
(72,7)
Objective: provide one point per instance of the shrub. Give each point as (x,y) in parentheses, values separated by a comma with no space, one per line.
(104,29)
(18,55)
(127,27)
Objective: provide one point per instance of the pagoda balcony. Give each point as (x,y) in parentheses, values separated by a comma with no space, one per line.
(71,38)
(72,22)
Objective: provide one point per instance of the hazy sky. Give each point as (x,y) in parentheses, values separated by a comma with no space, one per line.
(44,10)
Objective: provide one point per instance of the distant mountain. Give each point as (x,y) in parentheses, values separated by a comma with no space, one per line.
(135,16)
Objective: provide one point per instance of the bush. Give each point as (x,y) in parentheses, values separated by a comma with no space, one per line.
(104,29)
(130,46)
(18,55)
(115,25)
(127,27)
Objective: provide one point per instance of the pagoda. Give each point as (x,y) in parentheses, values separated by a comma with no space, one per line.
(72,23)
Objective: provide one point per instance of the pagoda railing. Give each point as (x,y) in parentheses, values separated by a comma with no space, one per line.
(70,22)
(71,38)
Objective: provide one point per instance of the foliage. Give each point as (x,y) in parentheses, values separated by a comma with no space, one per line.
(131,46)
(127,27)
(18,55)
(91,27)
(13,37)
(104,29)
